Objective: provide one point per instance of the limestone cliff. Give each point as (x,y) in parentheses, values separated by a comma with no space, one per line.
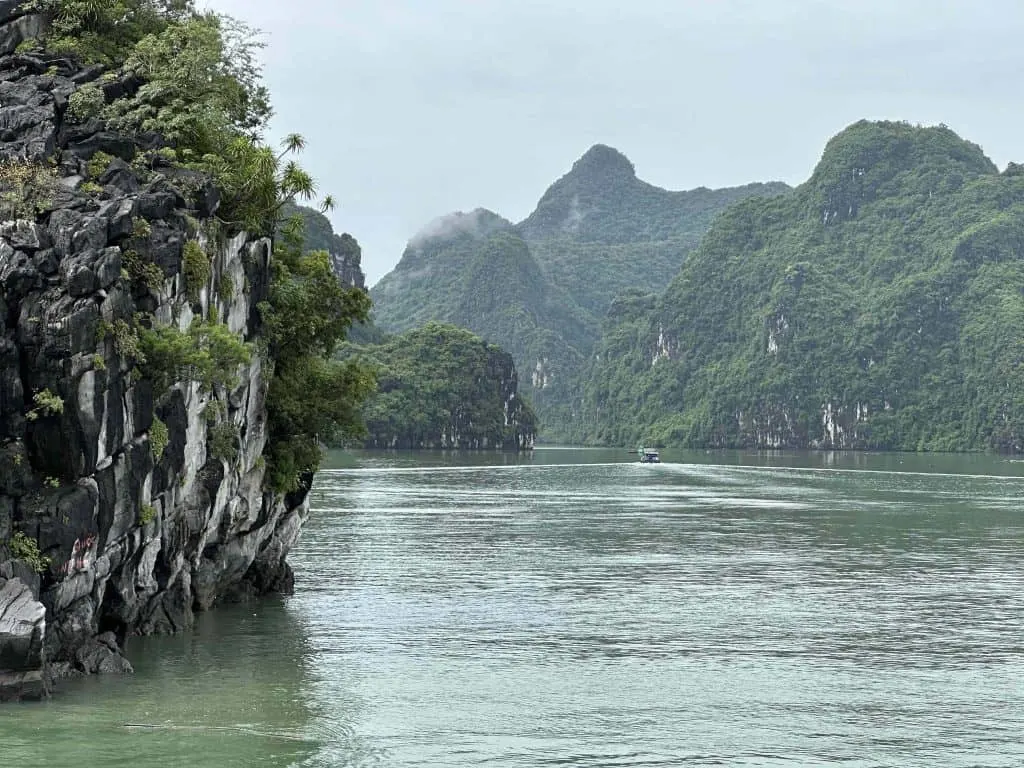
(124,506)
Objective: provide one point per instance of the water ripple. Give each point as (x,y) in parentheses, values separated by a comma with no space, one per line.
(610,614)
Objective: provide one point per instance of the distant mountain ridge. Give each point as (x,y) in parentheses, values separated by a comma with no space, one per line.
(540,287)
(601,200)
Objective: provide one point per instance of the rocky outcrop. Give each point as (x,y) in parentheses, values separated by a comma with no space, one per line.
(124,506)
(347,260)
(345,254)
(22,629)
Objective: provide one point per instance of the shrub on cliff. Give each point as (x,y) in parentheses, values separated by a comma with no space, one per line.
(102,31)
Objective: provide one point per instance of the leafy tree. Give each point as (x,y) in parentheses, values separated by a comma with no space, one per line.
(312,399)
(200,85)
(104,31)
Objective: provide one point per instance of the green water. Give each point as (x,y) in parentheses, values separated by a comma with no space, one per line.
(577,608)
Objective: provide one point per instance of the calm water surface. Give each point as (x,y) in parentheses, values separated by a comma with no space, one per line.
(577,608)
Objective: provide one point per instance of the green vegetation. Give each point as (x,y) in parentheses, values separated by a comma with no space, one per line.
(85,103)
(880,305)
(319,235)
(224,439)
(126,340)
(26,188)
(159,437)
(98,165)
(440,385)
(312,398)
(46,404)
(602,201)
(196,269)
(475,272)
(147,514)
(207,352)
(143,270)
(226,287)
(26,549)
(141,229)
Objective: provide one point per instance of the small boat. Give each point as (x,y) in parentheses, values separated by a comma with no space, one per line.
(649,456)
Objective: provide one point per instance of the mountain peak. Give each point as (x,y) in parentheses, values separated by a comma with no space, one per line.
(889,147)
(479,222)
(865,161)
(602,162)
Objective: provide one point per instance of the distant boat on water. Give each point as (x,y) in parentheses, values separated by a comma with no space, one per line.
(649,456)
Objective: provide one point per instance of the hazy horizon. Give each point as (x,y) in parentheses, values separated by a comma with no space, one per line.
(414,111)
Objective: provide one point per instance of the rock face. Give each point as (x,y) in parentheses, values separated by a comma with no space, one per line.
(344,251)
(22,629)
(122,509)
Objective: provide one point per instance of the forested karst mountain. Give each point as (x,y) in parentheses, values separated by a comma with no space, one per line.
(474,271)
(540,288)
(441,386)
(878,305)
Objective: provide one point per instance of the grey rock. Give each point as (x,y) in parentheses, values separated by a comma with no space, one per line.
(108,270)
(101,655)
(63,225)
(121,222)
(119,174)
(14,33)
(88,75)
(103,141)
(22,629)
(46,262)
(24,235)
(22,94)
(12,9)
(71,182)
(82,281)
(91,236)
(155,205)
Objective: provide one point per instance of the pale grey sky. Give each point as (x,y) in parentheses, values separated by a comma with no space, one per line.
(416,108)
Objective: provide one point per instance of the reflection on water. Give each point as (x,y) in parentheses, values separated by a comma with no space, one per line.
(577,608)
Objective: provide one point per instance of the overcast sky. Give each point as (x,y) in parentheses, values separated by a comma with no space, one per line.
(416,108)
